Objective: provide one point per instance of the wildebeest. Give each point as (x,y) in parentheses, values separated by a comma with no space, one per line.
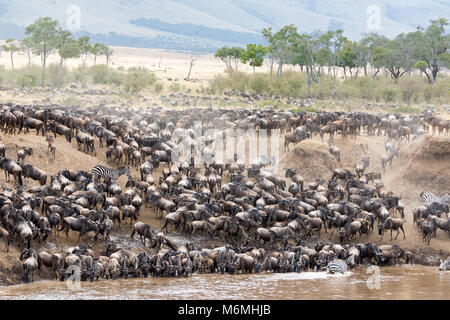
(30,264)
(6,236)
(11,167)
(334,150)
(22,153)
(34,124)
(392,224)
(144,231)
(82,225)
(30,171)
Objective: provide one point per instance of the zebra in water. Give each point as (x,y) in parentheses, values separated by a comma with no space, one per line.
(445,265)
(337,266)
(111,174)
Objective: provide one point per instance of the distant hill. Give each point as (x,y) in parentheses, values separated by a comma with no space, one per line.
(205,25)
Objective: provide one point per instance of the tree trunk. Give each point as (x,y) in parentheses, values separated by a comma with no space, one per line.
(374,73)
(12,60)
(190,69)
(334,81)
(59,73)
(44,58)
(280,68)
(345,73)
(271,68)
(434,72)
(84,59)
(308,72)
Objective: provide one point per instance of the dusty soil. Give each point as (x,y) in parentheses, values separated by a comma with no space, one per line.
(422,165)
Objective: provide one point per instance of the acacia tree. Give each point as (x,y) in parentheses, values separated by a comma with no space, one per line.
(44,36)
(334,40)
(255,55)
(85,49)
(108,52)
(434,53)
(282,45)
(96,50)
(26,45)
(11,46)
(348,58)
(269,36)
(230,56)
(369,45)
(68,48)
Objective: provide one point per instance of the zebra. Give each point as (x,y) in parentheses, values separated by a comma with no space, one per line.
(337,266)
(445,265)
(109,173)
(436,204)
(430,197)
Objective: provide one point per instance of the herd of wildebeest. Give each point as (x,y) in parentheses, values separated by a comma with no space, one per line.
(265,221)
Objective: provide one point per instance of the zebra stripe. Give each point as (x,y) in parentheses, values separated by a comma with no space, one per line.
(337,266)
(109,173)
(430,197)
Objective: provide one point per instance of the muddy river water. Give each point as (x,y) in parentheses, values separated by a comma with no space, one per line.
(400,282)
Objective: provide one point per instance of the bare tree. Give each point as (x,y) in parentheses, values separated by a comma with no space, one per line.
(191,64)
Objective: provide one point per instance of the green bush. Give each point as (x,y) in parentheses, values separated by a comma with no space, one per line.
(115,78)
(406,109)
(71,101)
(158,87)
(175,87)
(51,75)
(408,89)
(138,78)
(389,95)
(259,84)
(99,74)
(28,80)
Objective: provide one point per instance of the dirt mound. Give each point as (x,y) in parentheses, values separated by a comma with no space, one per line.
(67,155)
(311,159)
(435,148)
(428,165)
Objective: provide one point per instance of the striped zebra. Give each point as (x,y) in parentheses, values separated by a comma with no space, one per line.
(109,173)
(430,197)
(337,266)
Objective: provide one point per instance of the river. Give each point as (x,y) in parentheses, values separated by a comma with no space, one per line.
(400,282)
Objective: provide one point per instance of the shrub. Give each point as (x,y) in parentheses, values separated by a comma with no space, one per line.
(51,75)
(406,109)
(99,74)
(174,87)
(71,101)
(138,78)
(28,80)
(158,87)
(259,84)
(389,95)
